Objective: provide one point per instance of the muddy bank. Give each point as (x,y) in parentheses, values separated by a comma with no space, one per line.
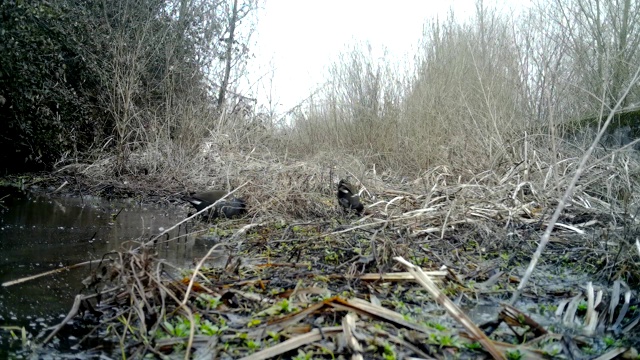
(292,284)
(141,189)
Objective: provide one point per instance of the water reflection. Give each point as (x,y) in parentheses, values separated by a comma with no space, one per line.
(39,234)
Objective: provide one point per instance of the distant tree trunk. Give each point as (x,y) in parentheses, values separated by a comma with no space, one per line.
(230,40)
(622,70)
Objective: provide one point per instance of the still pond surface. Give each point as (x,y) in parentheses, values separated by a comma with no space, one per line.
(40,234)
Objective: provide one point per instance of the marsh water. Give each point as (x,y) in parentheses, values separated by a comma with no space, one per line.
(42,233)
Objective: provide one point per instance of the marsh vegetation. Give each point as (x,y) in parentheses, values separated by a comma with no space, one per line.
(478,158)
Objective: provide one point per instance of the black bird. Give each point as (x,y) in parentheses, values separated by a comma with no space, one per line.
(229,207)
(348,198)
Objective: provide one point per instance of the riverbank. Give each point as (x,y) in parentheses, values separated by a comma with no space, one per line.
(302,279)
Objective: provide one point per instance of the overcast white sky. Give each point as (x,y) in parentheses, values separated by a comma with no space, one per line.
(299,39)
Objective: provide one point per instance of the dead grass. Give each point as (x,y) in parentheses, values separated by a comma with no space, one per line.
(296,261)
(288,286)
(527,179)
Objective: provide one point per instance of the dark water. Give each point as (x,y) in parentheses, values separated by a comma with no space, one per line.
(39,234)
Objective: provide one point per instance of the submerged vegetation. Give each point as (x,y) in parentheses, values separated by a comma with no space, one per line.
(476,161)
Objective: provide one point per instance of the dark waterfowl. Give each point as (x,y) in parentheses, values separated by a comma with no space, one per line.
(229,207)
(348,197)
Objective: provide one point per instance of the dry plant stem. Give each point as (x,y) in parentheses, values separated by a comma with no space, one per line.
(567,194)
(196,270)
(399,341)
(33,277)
(348,330)
(72,313)
(451,308)
(294,343)
(186,309)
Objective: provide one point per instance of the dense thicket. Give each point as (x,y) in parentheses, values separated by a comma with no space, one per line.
(47,86)
(482,89)
(82,75)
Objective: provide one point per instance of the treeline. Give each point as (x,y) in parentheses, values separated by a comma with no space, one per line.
(81,78)
(149,83)
(478,86)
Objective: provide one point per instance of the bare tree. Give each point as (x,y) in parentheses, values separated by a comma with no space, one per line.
(229,52)
(236,51)
(602,39)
